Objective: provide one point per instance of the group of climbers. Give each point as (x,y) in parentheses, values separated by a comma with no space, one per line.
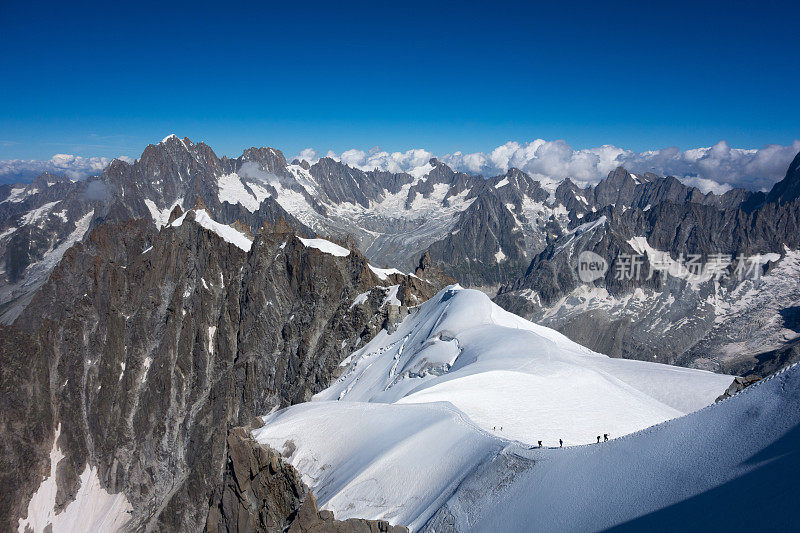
(561,442)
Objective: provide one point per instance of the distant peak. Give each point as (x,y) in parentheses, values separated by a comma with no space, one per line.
(172,139)
(788,189)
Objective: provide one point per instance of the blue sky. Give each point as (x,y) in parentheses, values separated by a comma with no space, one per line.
(106,79)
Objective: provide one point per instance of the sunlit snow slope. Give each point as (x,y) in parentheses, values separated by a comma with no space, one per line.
(418,411)
(503,371)
(731,467)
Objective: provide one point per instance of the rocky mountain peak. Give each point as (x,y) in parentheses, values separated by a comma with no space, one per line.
(440,169)
(174,159)
(567,185)
(788,189)
(48,179)
(305,165)
(175,214)
(268,159)
(117,167)
(199,203)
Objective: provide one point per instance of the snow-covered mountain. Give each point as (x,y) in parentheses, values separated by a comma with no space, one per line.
(738,318)
(458,381)
(508,235)
(485,231)
(506,372)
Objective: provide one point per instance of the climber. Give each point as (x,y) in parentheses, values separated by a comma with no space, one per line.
(540,444)
(560,443)
(598,439)
(605,437)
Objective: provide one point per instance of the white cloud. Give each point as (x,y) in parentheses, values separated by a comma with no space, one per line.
(73,166)
(309,154)
(379,159)
(717,168)
(706,185)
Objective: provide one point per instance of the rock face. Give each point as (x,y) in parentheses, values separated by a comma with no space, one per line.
(41,220)
(662,314)
(484,248)
(147,347)
(738,384)
(26,422)
(788,189)
(261,492)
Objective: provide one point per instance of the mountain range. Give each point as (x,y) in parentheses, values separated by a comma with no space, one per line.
(506,235)
(188,339)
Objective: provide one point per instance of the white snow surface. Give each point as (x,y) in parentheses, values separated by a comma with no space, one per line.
(391,296)
(390,462)
(93,509)
(35,215)
(16,196)
(421,171)
(227,233)
(50,259)
(325,246)
(161,216)
(233,191)
(504,371)
(384,273)
(433,396)
(730,467)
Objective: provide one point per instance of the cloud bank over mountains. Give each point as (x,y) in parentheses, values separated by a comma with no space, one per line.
(717,168)
(73,166)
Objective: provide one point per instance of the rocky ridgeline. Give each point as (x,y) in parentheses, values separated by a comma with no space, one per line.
(483,231)
(261,492)
(148,346)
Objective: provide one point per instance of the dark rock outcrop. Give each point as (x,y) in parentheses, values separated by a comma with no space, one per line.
(738,384)
(263,493)
(788,189)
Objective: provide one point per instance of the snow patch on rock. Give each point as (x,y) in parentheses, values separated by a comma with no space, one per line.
(227,233)
(325,246)
(93,509)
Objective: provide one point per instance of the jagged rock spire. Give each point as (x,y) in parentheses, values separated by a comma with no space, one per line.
(199,203)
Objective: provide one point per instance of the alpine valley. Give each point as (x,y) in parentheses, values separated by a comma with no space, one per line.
(192,342)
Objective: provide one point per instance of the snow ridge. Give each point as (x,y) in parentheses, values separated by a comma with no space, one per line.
(459,381)
(326,246)
(227,233)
